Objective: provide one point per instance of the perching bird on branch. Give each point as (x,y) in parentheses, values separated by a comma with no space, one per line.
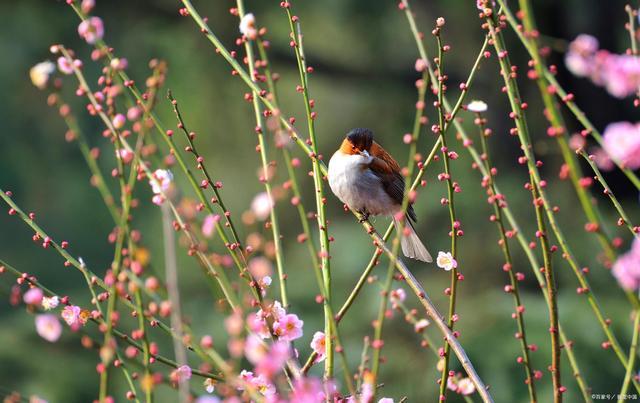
(367,179)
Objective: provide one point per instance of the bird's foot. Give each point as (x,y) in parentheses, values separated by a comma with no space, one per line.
(364,216)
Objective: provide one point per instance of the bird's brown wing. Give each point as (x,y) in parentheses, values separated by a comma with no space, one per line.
(392,180)
(380,152)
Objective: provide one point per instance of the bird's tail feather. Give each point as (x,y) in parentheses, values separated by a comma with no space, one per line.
(412,247)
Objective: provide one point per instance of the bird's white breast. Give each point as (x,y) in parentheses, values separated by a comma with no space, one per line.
(357,186)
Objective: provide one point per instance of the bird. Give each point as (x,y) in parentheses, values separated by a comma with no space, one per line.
(366,178)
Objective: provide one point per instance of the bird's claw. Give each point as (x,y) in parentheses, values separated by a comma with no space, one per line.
(364,216)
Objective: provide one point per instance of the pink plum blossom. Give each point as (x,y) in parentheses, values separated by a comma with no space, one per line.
(462,386)
(307,390)
(276,311)
(626,268)
(258,325)
(160,184)
(182,373)
(602,159)
(134,113)
(318,345)
(260,266)
(162,181)
(257,322)
(265,387)
(33,296)
(289,327)
(119,63)
(48,327)
(619,74)
(87,5)
(622,143)
(255,349)
(75,316)
(580,54)
(125,155)
(259,382)
(91,30)
(119,121)
(209,224)
(245,377)
(397,296)
(272,363)
(65,66)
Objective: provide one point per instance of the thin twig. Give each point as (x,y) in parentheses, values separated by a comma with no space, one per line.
(498,204)
(171,276)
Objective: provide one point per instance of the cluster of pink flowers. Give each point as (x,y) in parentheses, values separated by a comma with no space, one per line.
(268,360)
(75,316)
(619,74)
(627,268)
(622,144)
(286,326)
(259,382)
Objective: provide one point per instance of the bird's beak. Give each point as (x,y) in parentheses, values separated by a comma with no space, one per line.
(365,153)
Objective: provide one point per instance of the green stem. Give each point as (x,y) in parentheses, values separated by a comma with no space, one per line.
(260,128)
(607,191)
(452,211)
(411,163)
(318,177)
(498,205)
(631,27)
(313,253)
(552,300)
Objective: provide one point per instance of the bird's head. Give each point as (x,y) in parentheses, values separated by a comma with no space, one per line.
(357,142)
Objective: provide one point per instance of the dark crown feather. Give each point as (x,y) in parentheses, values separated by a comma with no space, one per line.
(361,138)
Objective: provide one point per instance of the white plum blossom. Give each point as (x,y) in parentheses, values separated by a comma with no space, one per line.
(160,184)
(41,72)
(446,261)
(261,206)
(477,106)
(248,26)
(49,303)
(209,385)
(462,386)
(420,325)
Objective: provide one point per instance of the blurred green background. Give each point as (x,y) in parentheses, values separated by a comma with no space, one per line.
(363,55)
